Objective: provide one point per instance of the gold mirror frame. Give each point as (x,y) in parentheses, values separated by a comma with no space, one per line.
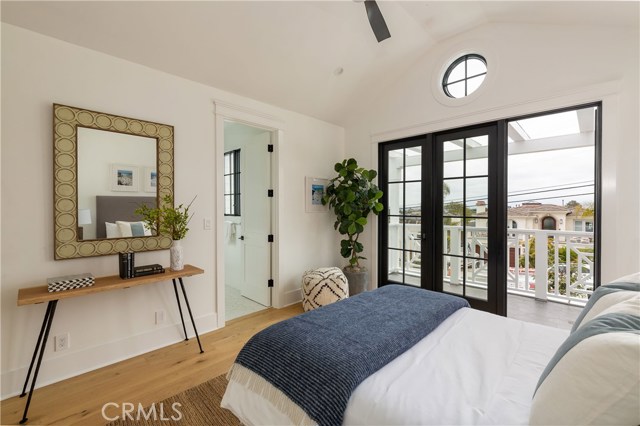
(66,120)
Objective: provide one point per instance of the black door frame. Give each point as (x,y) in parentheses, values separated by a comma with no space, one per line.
(497,219)
(498,163)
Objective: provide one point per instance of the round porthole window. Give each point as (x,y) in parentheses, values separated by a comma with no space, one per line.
(464,76)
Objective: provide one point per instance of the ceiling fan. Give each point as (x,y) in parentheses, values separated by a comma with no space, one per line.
(378,25)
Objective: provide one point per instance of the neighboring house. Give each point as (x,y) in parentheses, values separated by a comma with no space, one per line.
(548,217)
(538,216)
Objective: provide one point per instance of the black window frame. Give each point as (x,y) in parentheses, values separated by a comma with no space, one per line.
(498,192)
(467,77)
(234,176)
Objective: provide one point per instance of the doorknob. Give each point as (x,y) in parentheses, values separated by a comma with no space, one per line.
(242,237)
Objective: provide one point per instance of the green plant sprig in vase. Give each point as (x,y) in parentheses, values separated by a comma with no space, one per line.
(169,220)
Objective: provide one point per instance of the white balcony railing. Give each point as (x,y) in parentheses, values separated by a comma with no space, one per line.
(547,265)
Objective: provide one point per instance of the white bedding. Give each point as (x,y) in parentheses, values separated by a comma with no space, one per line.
(475,368)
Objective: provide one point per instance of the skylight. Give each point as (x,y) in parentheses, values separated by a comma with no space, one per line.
(547,126)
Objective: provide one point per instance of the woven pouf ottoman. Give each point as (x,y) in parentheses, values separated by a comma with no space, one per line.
(323,286)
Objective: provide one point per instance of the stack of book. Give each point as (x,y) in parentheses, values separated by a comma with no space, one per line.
(127,264)
(140,271)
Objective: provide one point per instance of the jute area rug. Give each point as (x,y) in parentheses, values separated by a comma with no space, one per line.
(200,405)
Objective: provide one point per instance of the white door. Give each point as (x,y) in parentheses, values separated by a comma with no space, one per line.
(256,212)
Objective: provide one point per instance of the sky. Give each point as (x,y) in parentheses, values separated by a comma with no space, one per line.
(550,177)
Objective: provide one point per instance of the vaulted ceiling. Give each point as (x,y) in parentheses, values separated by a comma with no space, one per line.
(287,53)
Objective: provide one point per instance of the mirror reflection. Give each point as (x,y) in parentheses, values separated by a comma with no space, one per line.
(116,173)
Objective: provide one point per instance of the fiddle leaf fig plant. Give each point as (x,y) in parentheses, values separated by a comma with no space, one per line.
(352,195)
(167,219)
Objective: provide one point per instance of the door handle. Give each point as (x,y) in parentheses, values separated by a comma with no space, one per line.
(242,237)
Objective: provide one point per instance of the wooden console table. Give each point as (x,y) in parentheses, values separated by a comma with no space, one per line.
(41,294)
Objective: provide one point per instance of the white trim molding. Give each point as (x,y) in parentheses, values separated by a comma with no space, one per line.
(224,111)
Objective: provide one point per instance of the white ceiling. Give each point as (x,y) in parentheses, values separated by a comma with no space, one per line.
(285,53)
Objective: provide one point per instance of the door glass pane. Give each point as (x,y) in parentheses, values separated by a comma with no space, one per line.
(395,199)
(452,236)
(476,278)
(395,233)
(412,237)
(413,163)
(452,192)
(395,158)
(477,242)
(452,275)
(477,191)
(477,157)
(395,265)
(412,205)
(453,158)
(412,265)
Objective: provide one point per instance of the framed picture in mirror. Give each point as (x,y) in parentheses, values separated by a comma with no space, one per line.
(150,179)
(124,178)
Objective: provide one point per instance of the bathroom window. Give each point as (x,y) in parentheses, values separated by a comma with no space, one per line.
(232,183)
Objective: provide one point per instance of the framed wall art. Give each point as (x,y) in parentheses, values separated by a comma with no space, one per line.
(314,190)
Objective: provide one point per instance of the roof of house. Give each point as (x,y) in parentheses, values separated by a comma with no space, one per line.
(536,209)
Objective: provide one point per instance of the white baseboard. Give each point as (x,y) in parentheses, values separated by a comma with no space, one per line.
(64,366)
(291,297)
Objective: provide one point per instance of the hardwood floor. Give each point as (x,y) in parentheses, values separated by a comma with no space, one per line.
(145,379)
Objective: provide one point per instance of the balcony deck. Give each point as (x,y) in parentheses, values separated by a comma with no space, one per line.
(558,315)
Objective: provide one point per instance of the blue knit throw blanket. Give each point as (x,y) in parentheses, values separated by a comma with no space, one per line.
(317,359)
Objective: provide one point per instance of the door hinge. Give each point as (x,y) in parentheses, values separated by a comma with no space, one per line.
(270,283)
(269,192)
(270,238)
(270,148)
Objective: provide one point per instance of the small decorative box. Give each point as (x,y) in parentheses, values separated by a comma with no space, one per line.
(70,282)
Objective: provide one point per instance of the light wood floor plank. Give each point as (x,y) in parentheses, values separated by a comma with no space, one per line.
(144,379)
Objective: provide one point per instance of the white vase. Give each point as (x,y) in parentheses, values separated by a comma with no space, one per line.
(175,252)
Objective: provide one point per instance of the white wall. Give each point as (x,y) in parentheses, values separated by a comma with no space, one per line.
(38,71)
(532,68)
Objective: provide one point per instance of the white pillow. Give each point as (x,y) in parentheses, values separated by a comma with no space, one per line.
(112,230)
(133,229)
(125,229)
(631,278)
(603,298)
(594,378)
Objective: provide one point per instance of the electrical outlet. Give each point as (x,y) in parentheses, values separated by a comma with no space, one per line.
(206,223)
(159,317)
(62,342)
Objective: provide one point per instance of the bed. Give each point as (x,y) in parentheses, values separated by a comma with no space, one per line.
(113,209)
(479,368)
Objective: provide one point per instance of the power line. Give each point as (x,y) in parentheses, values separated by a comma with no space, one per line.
(549,190)
(550,198)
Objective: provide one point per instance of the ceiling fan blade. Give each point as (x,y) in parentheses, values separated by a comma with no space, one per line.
(376,20)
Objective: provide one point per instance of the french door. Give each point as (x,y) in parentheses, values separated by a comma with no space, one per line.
(444,226)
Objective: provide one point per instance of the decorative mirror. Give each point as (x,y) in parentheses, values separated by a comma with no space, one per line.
(105,166)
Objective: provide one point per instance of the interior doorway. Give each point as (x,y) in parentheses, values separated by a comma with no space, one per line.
(247,218)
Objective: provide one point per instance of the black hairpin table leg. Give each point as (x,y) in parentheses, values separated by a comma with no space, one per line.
(184,293)
(41,345)
(175,288)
